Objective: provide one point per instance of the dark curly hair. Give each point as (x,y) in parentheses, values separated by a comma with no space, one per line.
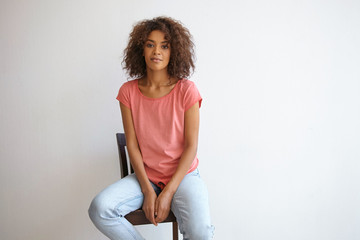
(182,56)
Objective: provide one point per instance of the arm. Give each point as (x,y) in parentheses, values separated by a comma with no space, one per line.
(137,164)
(163,202)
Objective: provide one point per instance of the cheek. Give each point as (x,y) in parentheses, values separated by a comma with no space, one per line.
(145,52)
(168,55)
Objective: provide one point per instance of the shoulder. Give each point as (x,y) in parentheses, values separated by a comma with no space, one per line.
(185,85)
(189,92)
(186,82)
(126,92)
(128,86)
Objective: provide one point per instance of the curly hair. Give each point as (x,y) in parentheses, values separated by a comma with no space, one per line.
(182,55)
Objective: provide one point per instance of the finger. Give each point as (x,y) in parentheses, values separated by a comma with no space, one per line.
(160,215)
(149,213)
(157,204)
(157,215)
(157,210)
(160,218)
(151,218)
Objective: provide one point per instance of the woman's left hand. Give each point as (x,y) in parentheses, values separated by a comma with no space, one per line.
(163,205)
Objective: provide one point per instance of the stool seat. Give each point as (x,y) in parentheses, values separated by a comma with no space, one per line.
(138,217)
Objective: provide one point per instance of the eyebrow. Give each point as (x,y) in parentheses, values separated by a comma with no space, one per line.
(154,41)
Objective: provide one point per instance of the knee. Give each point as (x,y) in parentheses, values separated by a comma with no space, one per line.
(95,209)
(99,209)
(199,232)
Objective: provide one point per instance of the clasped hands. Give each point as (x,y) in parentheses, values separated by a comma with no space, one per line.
(157,208)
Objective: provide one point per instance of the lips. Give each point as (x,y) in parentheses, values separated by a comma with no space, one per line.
(156,59)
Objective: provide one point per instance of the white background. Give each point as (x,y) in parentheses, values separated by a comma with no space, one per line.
(279,140)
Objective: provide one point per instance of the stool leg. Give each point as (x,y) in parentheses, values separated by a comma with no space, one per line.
(175,231)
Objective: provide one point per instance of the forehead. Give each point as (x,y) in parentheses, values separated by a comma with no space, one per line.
(157,36)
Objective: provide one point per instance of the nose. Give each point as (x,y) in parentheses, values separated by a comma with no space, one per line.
(157,50)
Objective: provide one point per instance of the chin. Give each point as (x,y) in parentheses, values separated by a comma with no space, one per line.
(157,68)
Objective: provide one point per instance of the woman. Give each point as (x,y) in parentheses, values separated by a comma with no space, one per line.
(160,113)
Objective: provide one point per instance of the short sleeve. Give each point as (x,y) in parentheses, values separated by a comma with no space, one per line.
(192,96)
(124,95)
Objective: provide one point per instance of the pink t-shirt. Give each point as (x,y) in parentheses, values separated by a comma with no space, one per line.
(159,126)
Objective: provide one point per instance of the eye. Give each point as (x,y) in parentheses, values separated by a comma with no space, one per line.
(165,46)
(149,45)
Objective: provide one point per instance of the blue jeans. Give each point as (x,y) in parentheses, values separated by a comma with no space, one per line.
(189,205)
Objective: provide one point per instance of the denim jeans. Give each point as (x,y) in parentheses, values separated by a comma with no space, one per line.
(189,205)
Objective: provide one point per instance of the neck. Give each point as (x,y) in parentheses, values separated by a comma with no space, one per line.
(159,78)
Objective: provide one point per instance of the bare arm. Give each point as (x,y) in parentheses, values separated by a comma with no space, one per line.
(137,164)
(163,202)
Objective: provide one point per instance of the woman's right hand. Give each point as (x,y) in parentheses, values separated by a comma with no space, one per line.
(149,206)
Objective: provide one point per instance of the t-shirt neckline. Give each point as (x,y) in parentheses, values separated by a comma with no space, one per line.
(154,99)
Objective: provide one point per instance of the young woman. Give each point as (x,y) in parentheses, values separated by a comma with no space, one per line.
(160,113)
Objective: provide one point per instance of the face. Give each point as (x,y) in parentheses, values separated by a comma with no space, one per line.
(156,51)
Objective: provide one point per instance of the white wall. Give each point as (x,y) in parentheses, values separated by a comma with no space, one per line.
(279,144)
